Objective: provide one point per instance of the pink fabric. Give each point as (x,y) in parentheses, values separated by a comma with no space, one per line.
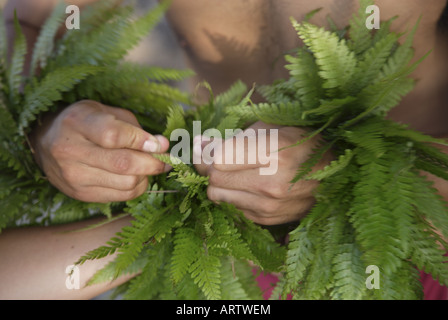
(431,288)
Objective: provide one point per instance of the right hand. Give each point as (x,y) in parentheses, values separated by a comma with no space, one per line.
(96,153)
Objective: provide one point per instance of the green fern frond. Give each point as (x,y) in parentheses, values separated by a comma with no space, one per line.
(135,31)
(329,108)
(333,167)
(232,96)
(231,286)
(368,136)
(175,120)
(349,273)
(103,251)
(3,41)
(402,55)
(286,114)
(371,62)
(108,273)
(187,246)
(431,204)
(17,65)
(360,36)
(45,42)
(152,279)
(300,254)
(95,47)
(426,256)
(307,166)
(11,208)
(335,60)
(41,96)
(206,274)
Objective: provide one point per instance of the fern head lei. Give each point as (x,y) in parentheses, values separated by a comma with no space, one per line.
(373,207)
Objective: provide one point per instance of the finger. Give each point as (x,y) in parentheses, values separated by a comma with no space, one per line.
(105,130)
(246,150)
(127,162)
(118,161)
(260,209)
(106,195)
(242,199)
(86,176)
(267,220)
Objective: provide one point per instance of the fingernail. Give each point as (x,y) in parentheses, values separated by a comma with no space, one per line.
(151,146)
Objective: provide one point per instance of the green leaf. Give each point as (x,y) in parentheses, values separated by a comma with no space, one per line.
(17,65)
(44,45)
(308,84)
(335,60)
(360,36)
(206,274)
(333,167)
(44,94)
(175,120)
(187,247)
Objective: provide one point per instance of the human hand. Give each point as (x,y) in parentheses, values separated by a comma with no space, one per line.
(265,199)
(96,153)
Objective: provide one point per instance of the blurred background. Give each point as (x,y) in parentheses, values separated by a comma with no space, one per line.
(160,46)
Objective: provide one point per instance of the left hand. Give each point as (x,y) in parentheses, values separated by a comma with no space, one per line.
(265,199)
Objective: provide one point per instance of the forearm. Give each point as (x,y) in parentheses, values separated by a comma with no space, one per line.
(34,260)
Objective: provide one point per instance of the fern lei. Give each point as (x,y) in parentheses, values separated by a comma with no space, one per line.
(373,207)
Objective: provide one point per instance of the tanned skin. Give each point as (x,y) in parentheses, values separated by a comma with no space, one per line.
(98,153)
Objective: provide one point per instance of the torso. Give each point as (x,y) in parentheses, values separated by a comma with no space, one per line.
(246,39)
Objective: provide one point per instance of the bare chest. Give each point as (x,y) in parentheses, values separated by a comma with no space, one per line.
(247,39)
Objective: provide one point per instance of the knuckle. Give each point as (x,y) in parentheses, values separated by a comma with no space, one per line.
(130,183)
(109,137)
(132,194)
(215,178)
(269,207)
(70,118)
(60,150)
(121,163)
(127,114)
